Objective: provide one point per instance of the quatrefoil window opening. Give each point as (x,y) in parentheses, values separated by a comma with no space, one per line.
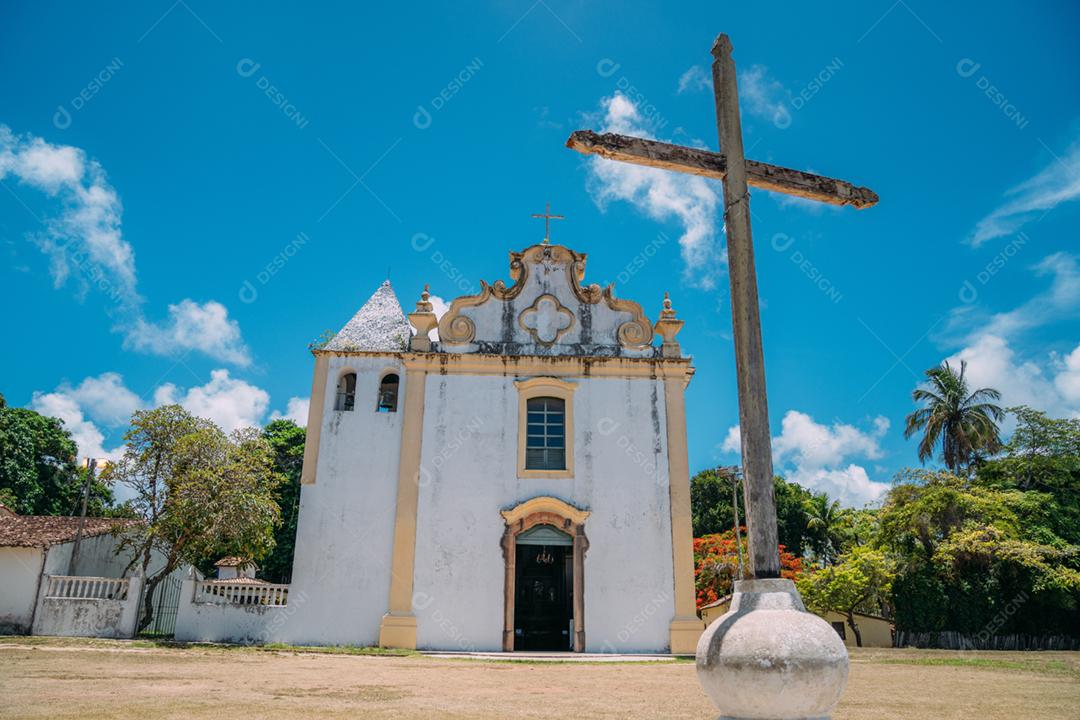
(547,319)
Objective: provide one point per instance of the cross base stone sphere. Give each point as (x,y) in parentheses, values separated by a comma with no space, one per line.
(768,658)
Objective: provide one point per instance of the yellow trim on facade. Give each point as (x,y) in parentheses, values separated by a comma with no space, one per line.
(398,627)
(314,420)
(545,387)
(544,504)
(535,365)
(686,627)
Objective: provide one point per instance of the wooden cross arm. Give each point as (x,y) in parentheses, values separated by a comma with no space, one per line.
(705,163)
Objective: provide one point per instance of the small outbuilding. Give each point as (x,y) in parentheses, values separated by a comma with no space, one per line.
(35,546)
(236,568)
(876,631)
(44,593)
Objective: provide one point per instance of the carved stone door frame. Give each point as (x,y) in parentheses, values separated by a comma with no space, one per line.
(567,518)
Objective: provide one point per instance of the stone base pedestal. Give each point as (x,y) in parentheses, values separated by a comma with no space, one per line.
(684,634)
(398,631)
(767,658)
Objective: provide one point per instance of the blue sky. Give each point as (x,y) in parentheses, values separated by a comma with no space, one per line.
(194,191)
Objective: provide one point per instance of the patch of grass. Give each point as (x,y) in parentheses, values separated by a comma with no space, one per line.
(151,642)
(334,649)
(1042,667)
(36,640)
(675,660)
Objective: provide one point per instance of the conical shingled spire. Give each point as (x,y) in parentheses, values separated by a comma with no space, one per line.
(380,325)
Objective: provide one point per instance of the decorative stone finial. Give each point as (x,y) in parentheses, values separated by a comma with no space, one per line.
(667,327)
(424,320)
(767,657)
(424,305)
(667,312)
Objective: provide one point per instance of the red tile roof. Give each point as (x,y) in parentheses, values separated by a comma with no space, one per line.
(233,561)
(237,581)
(45,531)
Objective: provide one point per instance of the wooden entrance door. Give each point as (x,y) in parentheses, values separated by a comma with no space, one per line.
(543,604)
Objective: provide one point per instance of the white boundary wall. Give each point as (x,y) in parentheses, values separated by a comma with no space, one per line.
(79,606)
(219,621)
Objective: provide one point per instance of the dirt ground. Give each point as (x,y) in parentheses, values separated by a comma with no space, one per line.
(96,679)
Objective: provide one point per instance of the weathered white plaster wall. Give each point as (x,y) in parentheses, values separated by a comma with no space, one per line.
(469,474)
(218,622)
(98,558)
(344,542)
(20,569)
(70,617)
(341,574)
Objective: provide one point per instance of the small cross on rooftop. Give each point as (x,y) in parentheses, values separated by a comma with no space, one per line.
(548,217)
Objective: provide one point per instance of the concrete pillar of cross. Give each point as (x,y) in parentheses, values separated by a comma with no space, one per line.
(768,658)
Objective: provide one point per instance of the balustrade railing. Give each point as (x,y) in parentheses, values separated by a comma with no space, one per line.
(210,591)
(74,587)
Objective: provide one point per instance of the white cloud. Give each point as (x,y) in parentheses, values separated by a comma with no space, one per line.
(1057,183)
(818,456)
(695,79)
(38,163)
(439,307)
(84,242)
(813,445)
(191,326)
(85,246)
(760,95)
(1050,383)
(105,398)
(662,195)
(997,356)
(851,485)
(89,439)
(296,410)
(1068,379)
(229,402)
(733,440)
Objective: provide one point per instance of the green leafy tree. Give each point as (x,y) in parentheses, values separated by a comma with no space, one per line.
(859,582)
(963,422)
(712,511)
(1042,455)
(198,492)
(965,551)
(286,439)
(38,470)
(791,520)
(862,527)
(711,501)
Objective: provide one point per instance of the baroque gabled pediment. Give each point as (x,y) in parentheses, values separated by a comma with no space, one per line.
(546,311)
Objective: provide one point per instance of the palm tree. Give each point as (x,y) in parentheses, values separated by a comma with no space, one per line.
(826,520)
(963,422)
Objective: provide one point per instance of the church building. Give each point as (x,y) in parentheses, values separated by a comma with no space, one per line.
(520,483)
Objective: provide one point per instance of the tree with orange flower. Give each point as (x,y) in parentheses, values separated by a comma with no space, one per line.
(716,565)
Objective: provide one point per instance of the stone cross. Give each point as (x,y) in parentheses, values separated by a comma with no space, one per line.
(737,173)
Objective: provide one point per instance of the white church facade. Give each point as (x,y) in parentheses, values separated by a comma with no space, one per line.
(520,483)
